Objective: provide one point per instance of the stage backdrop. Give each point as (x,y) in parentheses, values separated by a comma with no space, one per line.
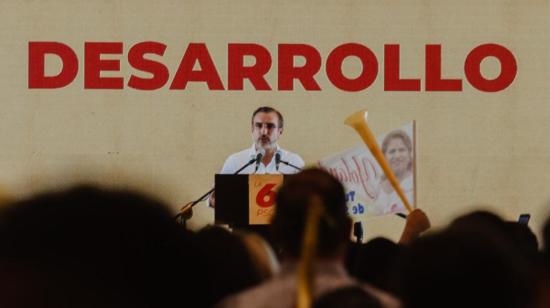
(482,143)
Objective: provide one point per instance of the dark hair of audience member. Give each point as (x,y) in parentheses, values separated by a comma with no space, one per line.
(461,267)
(90,247)
(348,297)
(292,204)
(519,236)
(524,241)
(228,264)
(375,262)
(262,254)
(479,219)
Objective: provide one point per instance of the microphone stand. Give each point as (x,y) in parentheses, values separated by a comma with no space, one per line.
(187,211)
(291,165)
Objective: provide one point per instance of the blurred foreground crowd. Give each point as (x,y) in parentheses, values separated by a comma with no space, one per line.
(92,247)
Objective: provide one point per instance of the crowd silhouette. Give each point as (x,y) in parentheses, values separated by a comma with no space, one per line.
(89,246)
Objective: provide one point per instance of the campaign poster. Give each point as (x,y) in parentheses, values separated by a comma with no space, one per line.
(368,189)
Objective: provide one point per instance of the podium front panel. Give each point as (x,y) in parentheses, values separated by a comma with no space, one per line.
(231,200)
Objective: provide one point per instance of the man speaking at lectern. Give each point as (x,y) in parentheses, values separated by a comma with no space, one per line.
(269,158)
(267,127)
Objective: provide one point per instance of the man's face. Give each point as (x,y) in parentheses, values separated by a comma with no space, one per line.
(398,156)
(266,130)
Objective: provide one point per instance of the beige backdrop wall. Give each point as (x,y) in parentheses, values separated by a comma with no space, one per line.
(474,148)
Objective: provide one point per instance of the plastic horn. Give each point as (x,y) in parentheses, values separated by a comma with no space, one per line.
(358,121)
(308,253)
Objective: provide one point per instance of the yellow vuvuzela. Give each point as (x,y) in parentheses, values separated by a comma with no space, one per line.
(308,253)
(358,121)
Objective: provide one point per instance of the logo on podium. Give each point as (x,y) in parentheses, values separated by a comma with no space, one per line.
(261,198)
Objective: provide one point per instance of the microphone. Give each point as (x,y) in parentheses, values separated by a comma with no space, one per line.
(277,159)
(261,153)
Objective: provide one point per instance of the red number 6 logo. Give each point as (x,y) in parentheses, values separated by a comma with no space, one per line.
(266,196)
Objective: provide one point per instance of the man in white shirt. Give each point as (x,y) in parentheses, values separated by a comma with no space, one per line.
(267,127)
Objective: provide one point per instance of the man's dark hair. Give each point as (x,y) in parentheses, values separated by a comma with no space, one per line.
(293,200)
(267,109)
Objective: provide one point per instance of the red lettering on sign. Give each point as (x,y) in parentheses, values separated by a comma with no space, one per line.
(305,74)
(508,67)
(392,80)
(434,82)
(334,67)
(238,70)
(37,58)
(266,196)
(255,73)
(94,65)
(197,52)
(136,58)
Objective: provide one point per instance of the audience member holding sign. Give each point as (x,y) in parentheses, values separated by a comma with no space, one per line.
(364,171)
